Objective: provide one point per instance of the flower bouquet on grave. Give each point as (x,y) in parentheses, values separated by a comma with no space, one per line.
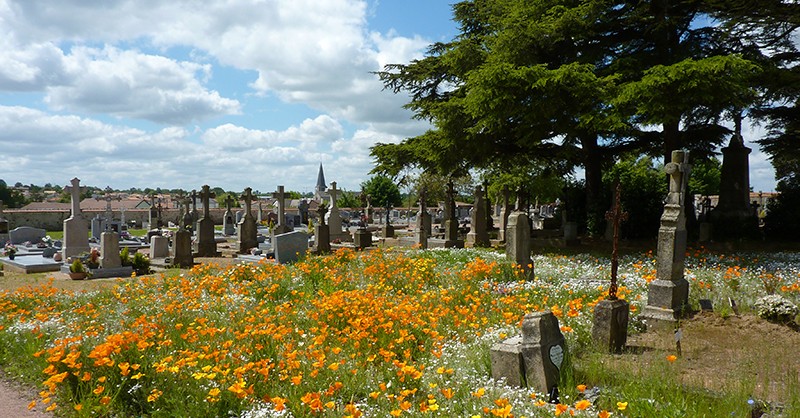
(93,261)
(9,250)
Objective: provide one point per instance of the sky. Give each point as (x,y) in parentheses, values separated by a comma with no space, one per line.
(229,93)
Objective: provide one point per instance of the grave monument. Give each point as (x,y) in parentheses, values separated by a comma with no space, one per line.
(668,295)
(478,235)
(76,229)
(206,242)
(182,240)
(504,213)
(247,234)
(422,233)
(451,239)
(281,227)
(228,227)
(322,235)
(518,242)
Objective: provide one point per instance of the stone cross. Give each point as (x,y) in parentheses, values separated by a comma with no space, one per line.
(280,195)
(194,205)
(678,170)
(187,215)
(205,196)
(108,197)
(75,193)
(616,215)
(229,201)
(333,196)
(248,198)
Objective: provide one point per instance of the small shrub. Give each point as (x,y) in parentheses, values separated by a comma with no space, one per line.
(776,308)
(76,267)
(141,264)
(125,257)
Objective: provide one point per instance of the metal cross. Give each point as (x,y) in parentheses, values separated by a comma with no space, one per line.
(616,215)
(205,196)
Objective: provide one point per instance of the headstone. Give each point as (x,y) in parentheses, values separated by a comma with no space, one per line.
(451,239)
(303,208)
(388,229)
(281,227)
(247,234)
(534,360)
(668,295)
(195,215)
(571,234)
(706,305)
(518,242)
(152,213)
(3,221)
(322,235)
(182,248)
(109,250)
(505,212)
(260,217)
(228,227)
(362,238)
(239,216)
(76,229)
(422,233)
(335,218)
(289,247)
(478,235)
(23,234)
(159,247)
(734,217)
(206,242)
(98,226)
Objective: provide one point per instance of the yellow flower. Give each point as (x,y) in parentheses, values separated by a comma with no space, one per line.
(622,405)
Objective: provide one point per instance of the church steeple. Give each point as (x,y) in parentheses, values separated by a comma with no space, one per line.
(321,185)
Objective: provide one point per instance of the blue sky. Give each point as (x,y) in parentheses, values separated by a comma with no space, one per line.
(230,93)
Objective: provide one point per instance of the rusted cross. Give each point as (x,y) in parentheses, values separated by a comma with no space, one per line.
(616,215)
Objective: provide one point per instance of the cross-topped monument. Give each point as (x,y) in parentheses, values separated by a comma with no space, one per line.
(247,235)
(281,227)
(76,229)
(108,196)
(668,295)
(227,219)
(206,244)
(335,219)
(616,216)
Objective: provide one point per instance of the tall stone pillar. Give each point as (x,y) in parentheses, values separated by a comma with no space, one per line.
(76,228)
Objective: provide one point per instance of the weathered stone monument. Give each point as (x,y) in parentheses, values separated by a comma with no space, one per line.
(734,217)
(289,247)
(228,227)
(504,213)
(182,240)
(422,233)
(159,247)
(3,224)
(195,215)
(610,327)
(451,239)
(281,227)
(247,234)
(533,360)
(335,218)
(302,207)
(322,235)
(478,235)
(362,238)
(668,295)
(518,242)
(388,229)
(76,229)
(206,242)
(109,250)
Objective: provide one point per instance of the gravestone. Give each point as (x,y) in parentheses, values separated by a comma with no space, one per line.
(260,217)
(451,239)
(322,235)
(228,227)
(25,234)
(302,207)
(504,213)
(182,248)
(239,215)
(159,247)
(422,231)
(206,242)
(668,295)
(518,242)
(247,234)
(534,360)
(478,235)
(76,229)
(362,238)
(152,213)
(388,229)
(610,326)
(109,250)
(289,247)
(281,227)
(195,215)
(734,216)
(335,218)
(3,223)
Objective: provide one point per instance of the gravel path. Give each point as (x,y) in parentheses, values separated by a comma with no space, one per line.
(14,400)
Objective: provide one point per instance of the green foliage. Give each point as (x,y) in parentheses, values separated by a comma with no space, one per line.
(125,257)
(705,177)
(11,198)
(382,191)
(140,263)
(221,199)
(642,196)
(782,222)
(76,267)
(347,199)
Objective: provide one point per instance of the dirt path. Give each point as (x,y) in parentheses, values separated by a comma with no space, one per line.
(14,400)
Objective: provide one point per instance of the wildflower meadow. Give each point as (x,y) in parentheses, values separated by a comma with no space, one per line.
(385,333)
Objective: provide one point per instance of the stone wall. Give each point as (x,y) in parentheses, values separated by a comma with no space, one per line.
(54,220)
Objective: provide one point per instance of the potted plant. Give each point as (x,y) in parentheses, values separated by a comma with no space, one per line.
(76,270)
(10,250)
(93,261)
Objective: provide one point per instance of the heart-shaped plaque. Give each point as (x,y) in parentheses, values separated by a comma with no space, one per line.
(557,355)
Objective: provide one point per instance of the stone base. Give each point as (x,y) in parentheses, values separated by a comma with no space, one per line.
(363,239)
(666,294)
(455,243)
(30,264)
(610,327)
(103,273)
(388,231)
(506,358)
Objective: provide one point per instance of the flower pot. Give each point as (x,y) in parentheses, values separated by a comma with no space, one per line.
(77,276)
(11,256)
